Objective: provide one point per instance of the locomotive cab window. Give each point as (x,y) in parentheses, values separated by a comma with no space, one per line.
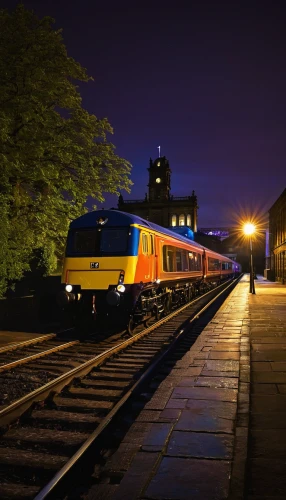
(97,242)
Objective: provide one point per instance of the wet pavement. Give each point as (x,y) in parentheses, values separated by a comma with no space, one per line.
(215,428)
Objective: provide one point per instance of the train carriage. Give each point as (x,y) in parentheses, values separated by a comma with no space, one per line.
(124,268)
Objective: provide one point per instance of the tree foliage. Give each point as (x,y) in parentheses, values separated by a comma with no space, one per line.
(53,153)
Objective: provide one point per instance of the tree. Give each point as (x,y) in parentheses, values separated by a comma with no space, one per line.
(53,153)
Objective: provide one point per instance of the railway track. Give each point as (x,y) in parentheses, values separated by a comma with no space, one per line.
(52,428)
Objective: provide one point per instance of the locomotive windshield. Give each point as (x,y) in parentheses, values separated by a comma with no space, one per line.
(97,242)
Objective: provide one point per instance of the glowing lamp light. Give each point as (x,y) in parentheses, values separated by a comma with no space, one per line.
(249,228)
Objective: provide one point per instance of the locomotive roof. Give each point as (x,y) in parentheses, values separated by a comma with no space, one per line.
(118,218)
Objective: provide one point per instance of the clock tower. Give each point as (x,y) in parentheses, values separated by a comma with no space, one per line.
(159,180)
(159,206)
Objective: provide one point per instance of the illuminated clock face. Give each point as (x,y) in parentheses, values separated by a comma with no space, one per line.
(158,180)
(158,164)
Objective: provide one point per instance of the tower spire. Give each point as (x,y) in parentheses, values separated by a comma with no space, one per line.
(159,147)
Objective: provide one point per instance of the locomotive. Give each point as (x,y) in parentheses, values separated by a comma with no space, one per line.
(125,269)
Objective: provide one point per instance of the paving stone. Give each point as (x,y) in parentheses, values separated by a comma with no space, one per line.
(200,445)
(222,409)
(223,382)
(222,365)
(273,420)
(264,389)
(209,393)
(265,403)
(261,366)
(263,482)
(268,443)
(137,432)
(185,479)
(224,355)
(176,403)
(189,420)
(217,373)
(148,416)
(157,437)
(278,366)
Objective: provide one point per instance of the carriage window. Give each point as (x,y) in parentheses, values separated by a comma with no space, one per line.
(185,260)
(213,264)
(182,260)
(226,265)
(168,258)
(195,261)
(144,243)
(151,244)
(178,260)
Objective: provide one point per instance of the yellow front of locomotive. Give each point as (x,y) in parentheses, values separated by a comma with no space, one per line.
(100,264)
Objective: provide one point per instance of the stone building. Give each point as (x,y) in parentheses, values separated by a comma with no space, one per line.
(159,206)
(277,240)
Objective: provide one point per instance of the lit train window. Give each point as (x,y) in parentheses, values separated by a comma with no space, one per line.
(195,261)
(168,258)
(175,259)
(213,264)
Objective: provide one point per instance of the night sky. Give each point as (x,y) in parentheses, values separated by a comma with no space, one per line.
(204,80)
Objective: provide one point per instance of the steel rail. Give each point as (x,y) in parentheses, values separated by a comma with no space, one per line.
(25,343)
(42,354)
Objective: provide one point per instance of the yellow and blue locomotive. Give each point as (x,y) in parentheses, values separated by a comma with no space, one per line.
(124,268)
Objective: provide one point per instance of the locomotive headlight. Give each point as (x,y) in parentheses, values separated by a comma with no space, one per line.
(121,288)
(68,288)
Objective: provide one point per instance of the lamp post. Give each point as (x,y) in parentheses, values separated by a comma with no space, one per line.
(249,229)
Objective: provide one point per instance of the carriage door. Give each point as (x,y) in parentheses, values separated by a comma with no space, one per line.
(152,257)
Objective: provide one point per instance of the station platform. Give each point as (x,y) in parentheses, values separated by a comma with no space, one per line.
(215,427)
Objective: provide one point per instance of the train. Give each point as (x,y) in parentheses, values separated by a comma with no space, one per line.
(124,269)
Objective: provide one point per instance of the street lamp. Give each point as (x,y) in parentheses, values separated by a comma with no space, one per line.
(248,230)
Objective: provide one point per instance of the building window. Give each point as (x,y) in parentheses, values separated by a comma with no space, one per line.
(188,220)
(182,220)
(174,220)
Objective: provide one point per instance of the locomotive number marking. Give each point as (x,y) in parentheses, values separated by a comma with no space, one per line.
(94,265)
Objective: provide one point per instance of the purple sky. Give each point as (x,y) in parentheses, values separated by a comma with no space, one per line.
(207,83)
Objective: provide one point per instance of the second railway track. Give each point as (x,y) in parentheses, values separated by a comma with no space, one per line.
(49,431)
